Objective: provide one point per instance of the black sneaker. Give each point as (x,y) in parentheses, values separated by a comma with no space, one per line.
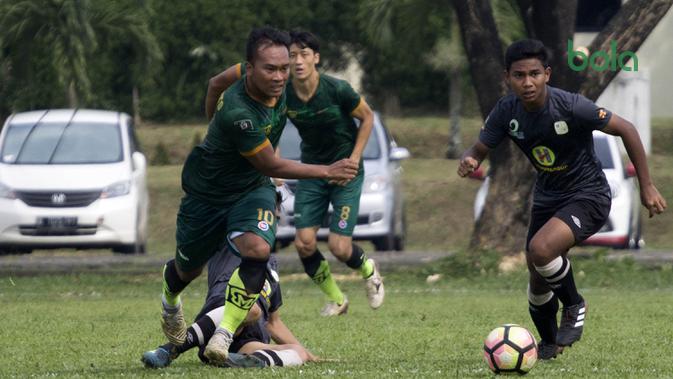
(547,351)
(572,324)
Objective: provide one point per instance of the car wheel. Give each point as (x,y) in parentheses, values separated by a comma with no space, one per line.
(635,241)
(401,239)
(385,243)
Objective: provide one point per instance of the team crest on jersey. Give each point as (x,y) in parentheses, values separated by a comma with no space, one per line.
(514,129)
(267,129)
(560,127)
(602,113)
(544,155)
(291,114)
(244,124)
(220,102)
(263,226)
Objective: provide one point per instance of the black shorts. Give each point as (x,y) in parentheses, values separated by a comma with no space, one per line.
(585,216)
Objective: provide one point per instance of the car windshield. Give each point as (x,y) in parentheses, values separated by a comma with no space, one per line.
(62,143)
(290,144)
(602,149)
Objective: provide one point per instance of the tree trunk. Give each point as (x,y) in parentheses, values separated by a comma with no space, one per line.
(504,220)
(135,99)
(72,95)
(630,27)
(455,148)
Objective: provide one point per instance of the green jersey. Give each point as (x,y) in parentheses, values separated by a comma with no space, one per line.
(217,170)
(325,124)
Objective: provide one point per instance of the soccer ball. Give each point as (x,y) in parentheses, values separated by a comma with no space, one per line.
(510,348)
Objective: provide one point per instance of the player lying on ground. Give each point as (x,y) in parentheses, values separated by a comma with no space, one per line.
(572,198)
(251,346)
(323,109)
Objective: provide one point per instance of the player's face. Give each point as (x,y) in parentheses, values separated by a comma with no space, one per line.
(270,70)
(302,61)
(527,78)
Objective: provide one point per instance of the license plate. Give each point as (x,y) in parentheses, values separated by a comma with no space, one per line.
(56,222)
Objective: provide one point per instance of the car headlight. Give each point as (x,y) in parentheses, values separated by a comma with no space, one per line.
(375,183)
(6,192)
(116,189)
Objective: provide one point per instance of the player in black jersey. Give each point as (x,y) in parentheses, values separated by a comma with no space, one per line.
(572,198)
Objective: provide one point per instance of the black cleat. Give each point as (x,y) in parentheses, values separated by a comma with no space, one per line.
(572,324)
(546,351)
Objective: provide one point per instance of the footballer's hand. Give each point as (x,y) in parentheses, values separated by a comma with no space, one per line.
(278,182)
(652,200)
(467,166)
(344,169)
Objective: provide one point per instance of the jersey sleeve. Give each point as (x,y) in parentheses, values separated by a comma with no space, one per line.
(349,100)
(590,115)
(494,129)
(248,136)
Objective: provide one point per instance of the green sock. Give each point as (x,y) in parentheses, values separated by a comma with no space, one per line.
(323,278)
(237,303)
(170,298)
(367,268)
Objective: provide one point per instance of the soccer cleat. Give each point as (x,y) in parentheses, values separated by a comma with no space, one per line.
(374,287)
(173,325)
(546,351)
(158,358)
(334,309)
(217,349)
(572,324)
(244,361)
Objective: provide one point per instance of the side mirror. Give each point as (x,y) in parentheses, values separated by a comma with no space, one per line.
(630,170)
(399,153)
(138,161)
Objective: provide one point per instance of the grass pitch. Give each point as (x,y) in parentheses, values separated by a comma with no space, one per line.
(98,326)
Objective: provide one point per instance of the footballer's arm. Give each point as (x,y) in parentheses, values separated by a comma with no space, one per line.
(218,84)
(363,113)
(472,158)
(266,162)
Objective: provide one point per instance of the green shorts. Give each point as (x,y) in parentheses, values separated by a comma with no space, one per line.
(312,199)
(204,228)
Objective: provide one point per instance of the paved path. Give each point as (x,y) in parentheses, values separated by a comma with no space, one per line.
(45,262)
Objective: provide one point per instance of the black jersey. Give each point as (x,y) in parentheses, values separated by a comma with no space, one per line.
(557,140)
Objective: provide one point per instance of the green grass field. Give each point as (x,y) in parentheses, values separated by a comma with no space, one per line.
(98,326)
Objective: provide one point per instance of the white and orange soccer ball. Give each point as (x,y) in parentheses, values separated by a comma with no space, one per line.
(510,348)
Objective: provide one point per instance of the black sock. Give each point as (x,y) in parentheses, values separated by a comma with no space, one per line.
(253,273)
(205,327)
(312,263)
(357,257)
(544,318)
(172,279)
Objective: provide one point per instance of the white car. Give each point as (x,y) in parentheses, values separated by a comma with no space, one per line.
(623,228)
(72,178)
(381,218)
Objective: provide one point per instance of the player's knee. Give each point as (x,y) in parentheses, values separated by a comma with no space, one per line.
(188,276)
(258,250)
(253,315)
(305,246)
(540,251)
(340,247)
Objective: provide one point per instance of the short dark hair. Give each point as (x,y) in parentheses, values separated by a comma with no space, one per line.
(305,39)
(265,35)
(525,49)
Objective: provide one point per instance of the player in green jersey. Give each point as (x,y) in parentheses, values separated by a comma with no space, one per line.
(229,198)
(323,109)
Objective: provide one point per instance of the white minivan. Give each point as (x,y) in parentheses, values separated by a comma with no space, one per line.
(72,178)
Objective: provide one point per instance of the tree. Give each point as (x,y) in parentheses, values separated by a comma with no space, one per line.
(505,216)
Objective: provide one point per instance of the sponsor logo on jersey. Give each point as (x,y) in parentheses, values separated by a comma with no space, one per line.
(291,114)
(514,129)
(263,226)
(544,155)
(560,127)
(343,224)
(602,113)
(244,124)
